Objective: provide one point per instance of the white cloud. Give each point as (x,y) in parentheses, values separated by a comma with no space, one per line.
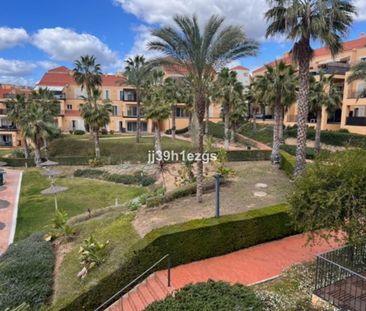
(247,13)
(16,71)
(46,64)
(361,9)
(10,37)
(67,45)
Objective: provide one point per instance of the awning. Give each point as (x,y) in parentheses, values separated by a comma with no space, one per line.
(50,88)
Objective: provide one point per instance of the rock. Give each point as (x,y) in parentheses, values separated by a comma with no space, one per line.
(261,186)
(260,194)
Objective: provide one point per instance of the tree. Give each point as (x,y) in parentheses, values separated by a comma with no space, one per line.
(138,72)
(278,88)
(41,110)
(87,74)
(303,21)
(96,116)
(358,72)
(330,195)
(229,92)
(157,102)
(238,116)
(323,93)
(200,51)
(16,109)
(254,99)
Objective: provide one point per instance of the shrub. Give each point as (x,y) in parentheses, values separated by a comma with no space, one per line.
(249,155)
(95,162)
(59,227)
(216,130)
(92,254)
(210,296)
(331,194)
(104,131)
(111,132)
(287,163)
(26,273)
(194,240)
(79,132)
(88,173)
(291,149)
(178,131)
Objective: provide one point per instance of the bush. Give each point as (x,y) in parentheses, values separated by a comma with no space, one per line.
(291,149)
(138,179)
(104,131)
(79,132)
(59,227)
(210,296)
(249,155)
(178,131)
(287,163)
(191,241)
(331,194)
(216,130)
(26,273)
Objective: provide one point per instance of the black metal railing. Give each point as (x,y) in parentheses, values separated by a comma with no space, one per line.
(340,278)
(123,291)
(356,121)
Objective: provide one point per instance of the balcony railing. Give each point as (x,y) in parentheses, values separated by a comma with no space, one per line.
(8,128)
(340,278)
(132,114)
(3,111)
(356,121)
(357,94)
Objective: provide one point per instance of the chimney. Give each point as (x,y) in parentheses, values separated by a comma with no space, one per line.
(362,35)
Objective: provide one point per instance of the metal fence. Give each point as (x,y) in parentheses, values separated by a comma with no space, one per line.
(340,278)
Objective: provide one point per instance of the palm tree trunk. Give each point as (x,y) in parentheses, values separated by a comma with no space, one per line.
(97,144)
(174,108)
(282,141)
(157,138)
(207,118)
(275,157)
(138,118)
(37,151)
(303,106)
(226,127)
(194,129)
(46,147)
(200,115)
(318,131)
(254,122)
(25,147)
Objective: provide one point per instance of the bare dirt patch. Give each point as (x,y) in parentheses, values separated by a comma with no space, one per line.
(237,196)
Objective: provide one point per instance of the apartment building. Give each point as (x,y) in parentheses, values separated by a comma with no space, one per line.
(352,114)
(8,130)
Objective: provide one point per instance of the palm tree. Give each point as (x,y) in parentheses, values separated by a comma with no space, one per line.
(156,100)
(254,99)
(229,92)
(96,116)
(358,72)
(87,74)
(172,89)
(16,108)
(138,72)
(39,125)
(200,51)
(303,21)
(278,87)
(323,93)
(238,115)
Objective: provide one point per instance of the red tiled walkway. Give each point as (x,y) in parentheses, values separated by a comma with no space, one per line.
(247,266)
(8,215)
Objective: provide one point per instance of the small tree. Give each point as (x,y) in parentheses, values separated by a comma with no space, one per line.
(331,195)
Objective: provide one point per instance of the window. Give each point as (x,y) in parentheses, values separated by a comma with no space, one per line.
(120,95)
(73,124)
(363,59)
(180,112)
(68,107)
(107,94)
(129,95)
(132,111)
(115,110)
(132,126)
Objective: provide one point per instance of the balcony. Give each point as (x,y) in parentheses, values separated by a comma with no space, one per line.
(335,68)
(3,112)
(357,94)
(356,121)
(9,128)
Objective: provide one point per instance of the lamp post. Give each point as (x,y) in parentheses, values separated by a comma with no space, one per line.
(217,196)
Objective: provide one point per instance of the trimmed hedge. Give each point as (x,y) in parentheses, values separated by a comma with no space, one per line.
(291,149)
(210,296)
(248,155)
(334,138)
(216,130)
(143,180)
(178,131)
(287,163)
(187,242)
(26,273)
(72,160)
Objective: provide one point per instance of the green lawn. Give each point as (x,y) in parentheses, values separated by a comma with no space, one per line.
(37,210)
(118,149)
(4,152)
(121,235)
(263,134)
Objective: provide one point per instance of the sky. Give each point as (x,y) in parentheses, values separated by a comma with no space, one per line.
(38,35)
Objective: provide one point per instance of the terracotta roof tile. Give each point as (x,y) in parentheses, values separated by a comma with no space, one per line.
(239,67)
